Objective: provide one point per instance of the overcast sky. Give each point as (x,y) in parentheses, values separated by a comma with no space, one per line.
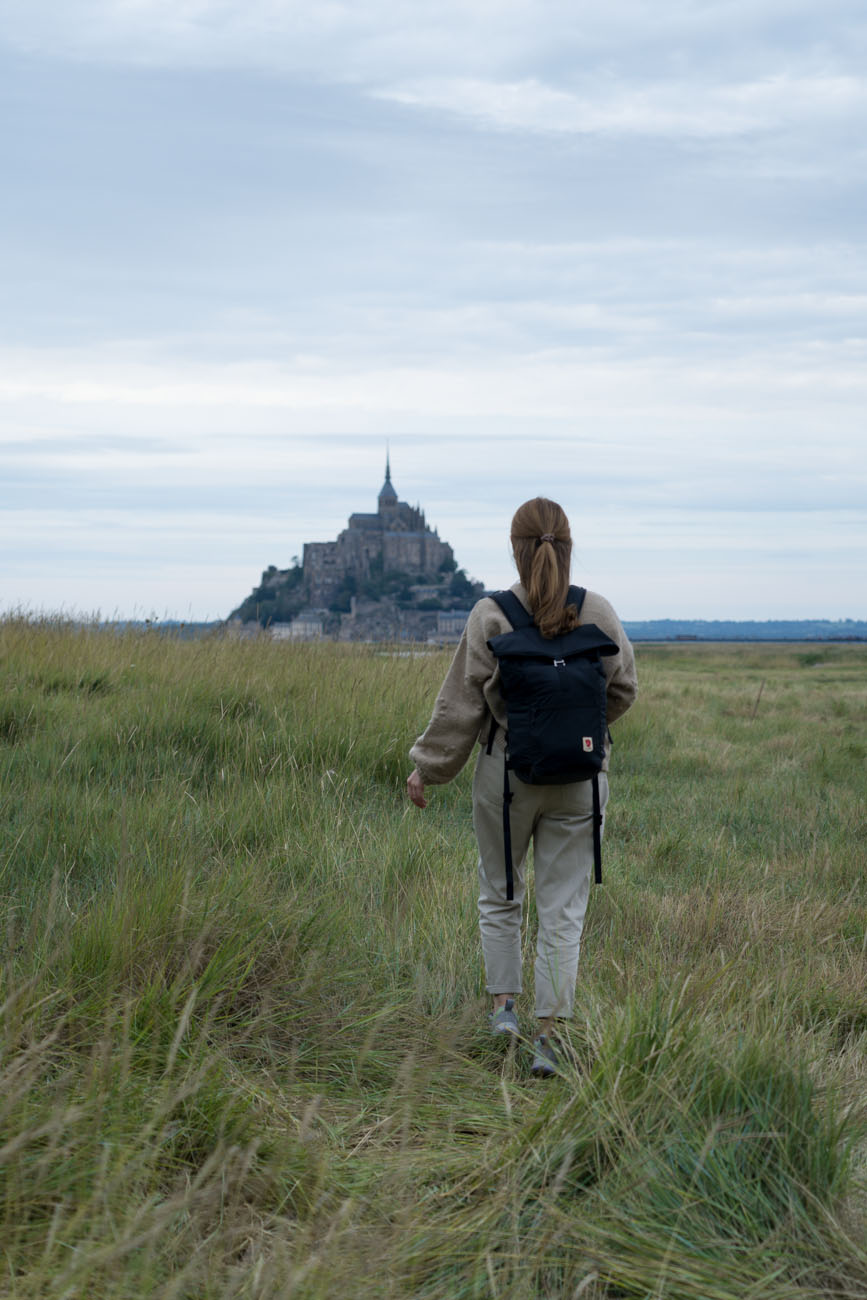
(613,254)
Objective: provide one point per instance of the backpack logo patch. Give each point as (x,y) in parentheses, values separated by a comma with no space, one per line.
(587,743)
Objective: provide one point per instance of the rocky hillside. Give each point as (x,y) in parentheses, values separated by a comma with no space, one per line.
(283,593)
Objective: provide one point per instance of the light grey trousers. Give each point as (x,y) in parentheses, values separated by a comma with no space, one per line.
(559,821)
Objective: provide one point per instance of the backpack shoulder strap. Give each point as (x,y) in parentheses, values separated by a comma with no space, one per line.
(576,597)
(518,616)
(512,608)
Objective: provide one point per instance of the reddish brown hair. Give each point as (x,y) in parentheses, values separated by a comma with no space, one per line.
(542,545)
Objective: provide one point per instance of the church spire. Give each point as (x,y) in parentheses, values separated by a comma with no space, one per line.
(387,496)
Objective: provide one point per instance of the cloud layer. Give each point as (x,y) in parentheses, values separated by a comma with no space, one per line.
(613,254)
(684,110)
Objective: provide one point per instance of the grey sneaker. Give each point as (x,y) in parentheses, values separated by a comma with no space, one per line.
(545,1062)
(504,1020)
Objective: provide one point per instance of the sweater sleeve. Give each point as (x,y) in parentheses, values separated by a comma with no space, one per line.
(460,708)
(621,677)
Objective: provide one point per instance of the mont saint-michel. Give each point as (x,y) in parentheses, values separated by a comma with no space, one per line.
(388,576)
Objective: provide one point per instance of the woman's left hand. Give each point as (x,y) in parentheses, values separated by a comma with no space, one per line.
(415,789)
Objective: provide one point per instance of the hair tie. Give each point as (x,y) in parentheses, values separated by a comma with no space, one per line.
(547,537)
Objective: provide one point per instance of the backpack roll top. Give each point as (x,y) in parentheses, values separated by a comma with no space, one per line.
(528,643)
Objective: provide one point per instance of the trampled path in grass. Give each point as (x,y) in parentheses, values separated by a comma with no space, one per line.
(244,1051)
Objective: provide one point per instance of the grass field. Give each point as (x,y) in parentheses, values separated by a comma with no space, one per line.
(243,1041)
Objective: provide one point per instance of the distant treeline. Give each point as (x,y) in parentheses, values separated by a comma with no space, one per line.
(675,629)
(658,629)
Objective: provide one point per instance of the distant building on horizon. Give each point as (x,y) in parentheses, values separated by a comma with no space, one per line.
(387,577)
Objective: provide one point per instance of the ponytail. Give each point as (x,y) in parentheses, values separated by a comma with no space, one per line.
(542,545)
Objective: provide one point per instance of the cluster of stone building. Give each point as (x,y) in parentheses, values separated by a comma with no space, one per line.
(396,539)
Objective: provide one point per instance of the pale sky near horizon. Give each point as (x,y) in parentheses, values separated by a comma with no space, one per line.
(610,254)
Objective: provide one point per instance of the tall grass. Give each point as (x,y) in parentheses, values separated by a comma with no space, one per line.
(242,1024)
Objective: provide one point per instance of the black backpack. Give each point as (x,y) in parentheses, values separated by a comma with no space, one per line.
(554,690)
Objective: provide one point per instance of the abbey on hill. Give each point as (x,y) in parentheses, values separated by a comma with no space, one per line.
(395,539)
(388,576)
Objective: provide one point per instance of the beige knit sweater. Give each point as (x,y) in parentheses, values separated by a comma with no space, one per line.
(470,694)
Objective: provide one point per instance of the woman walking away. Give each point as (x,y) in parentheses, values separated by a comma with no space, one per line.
(559,817)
